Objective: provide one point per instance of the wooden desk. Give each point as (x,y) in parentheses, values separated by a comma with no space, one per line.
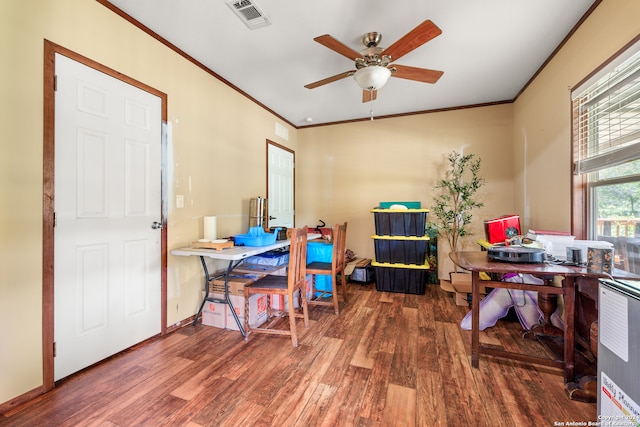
(477,262)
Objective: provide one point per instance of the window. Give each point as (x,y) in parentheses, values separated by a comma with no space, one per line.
(606,147)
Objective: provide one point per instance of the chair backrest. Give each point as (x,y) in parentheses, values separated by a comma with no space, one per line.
(339,246)
(298,257)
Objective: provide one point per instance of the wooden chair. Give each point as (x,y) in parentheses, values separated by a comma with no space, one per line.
(283,285)
(331,268)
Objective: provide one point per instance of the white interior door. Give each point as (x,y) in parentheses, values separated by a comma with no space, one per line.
(280,186)
(107,267)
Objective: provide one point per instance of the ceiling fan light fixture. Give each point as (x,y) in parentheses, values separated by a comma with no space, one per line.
(372,77)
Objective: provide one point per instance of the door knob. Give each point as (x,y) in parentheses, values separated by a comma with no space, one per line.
(156,225)
(272,217)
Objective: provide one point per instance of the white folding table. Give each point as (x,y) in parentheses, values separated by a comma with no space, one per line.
(235,256)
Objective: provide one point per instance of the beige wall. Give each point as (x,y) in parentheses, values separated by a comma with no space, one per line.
(218,160)
(218,154)
(542,115)
(346,170)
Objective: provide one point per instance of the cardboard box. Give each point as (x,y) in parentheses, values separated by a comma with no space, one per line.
(257,302)
(281,302)
(236,284)
(358,262)
(446,285)
(257,311)
(460,282)
(462,286)
(464,298)
(214,314)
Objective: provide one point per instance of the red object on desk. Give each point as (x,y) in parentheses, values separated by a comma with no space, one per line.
(500,229)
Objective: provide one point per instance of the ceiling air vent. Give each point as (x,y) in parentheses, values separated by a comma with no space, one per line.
(249,13)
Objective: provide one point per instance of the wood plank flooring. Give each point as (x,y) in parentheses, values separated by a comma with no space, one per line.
(387,360)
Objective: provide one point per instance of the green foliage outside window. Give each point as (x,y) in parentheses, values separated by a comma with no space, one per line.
(619,200)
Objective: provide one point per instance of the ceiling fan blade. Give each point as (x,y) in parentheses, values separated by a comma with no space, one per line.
(329,79)
(418,74)
(413,39)
(337,46)
(369,95)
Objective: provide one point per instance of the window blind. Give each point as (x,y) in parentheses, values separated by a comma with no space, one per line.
(606,117)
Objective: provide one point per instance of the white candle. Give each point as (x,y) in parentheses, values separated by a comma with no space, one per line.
(209,225)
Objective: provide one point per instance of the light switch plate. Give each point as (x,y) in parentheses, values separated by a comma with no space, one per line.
(179,201)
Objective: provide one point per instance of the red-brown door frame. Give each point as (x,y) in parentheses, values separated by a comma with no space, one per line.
(48,199)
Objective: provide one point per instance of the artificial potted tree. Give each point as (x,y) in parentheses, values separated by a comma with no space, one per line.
(456,198)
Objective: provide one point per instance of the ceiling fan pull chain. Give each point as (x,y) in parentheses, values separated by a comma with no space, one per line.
(371,102)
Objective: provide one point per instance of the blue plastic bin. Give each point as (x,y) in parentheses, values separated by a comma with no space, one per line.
(322,252)
(256,237)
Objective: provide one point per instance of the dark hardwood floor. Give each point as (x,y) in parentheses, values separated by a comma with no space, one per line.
(387,359)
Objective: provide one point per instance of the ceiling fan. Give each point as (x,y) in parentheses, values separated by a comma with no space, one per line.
(373,63)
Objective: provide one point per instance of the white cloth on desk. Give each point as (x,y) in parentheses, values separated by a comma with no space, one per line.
(497,303)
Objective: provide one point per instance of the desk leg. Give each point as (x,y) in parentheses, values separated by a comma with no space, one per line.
(569,328)
(206,290)
(207,279)
(475,319)
(548,304)
(226,297)
(579,386)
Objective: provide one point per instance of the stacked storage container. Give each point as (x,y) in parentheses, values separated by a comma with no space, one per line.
(401,247)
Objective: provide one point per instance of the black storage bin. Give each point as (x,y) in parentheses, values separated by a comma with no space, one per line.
(411,222)
(363,275)
(401,251)
(403,280)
